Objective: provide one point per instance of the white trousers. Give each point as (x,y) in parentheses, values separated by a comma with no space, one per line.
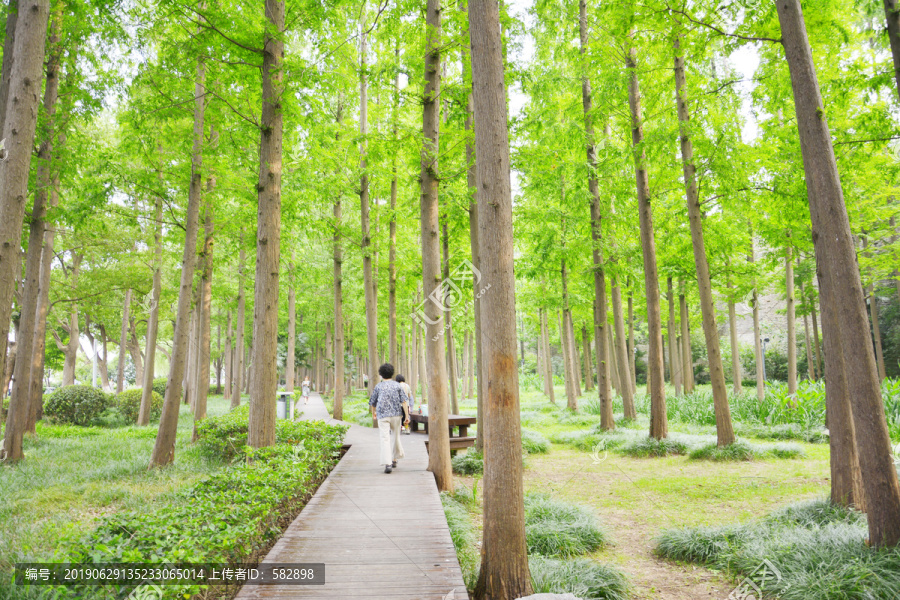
(390,451)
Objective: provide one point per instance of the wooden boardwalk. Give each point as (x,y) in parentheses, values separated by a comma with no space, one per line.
(381,536)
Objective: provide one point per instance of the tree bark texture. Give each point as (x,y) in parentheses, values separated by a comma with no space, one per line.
(164,447)
(839,281)
(439,440)
(658,421)
(504,568)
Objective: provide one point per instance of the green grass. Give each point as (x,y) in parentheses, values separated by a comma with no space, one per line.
(463,534)
(534,443)
(560,529)
(818,549)
(584,578)
(72,475)
(651,447)
(469,463)
(741,450)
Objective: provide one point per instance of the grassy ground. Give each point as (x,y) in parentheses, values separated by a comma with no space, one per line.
(73,474)
(637,498)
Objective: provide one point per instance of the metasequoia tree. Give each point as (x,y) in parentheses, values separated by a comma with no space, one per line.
(658,422)
(439,440)
(724,430)
(846,326)
(264,374)
(600,321)
(504,554)
(164,447)
(20,122)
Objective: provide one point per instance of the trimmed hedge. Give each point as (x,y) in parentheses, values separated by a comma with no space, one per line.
(76,405)
(159,386)
(226,518)
(129,404)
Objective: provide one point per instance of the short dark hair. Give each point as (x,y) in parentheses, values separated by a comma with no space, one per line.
(399,378)
(386,370)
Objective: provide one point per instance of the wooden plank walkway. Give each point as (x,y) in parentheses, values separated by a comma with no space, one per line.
(381,536)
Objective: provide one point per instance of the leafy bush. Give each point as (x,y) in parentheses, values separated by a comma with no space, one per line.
(534,443)
(225,436)
(818,548)
(129,404)
(76,405)
(648,447)
(583,578)
(555,528)
(786,431)
(470,463)
(159,386)
(225,518)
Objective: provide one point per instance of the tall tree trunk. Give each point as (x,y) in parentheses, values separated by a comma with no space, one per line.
(622,353)
(289,366)
(672,335)
(152,320)
(632,358)
(368,281)
(204,346)
(328,367)
(892,13)
(164,447)
(586,359)
(846,477)
(480,391)
(601,337)
(658,421)
(565,343)
(31,327)
(573,353)
(504,560)
(791,318)
(24,89)
(338,404)
(392,249)
(9,42)
(839,280)
(452,371)
(548,363)
(733,338)
(757,333)
(439,441)
(687,363)
(229,358)
(239,365)
(268,235)
(615,379)
(123,343)
(43,308)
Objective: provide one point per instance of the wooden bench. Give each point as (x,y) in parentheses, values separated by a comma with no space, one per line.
(457,443)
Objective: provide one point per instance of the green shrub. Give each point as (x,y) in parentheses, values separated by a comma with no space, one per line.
(76,405)
(159,386)
(222,519)
(225,436)
(555,528)
(739,450)
(470,463)
(534,443)
(584,578)
(129,404)
(651,447)
(819,550)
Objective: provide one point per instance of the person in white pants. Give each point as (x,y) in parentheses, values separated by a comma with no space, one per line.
(390,405)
